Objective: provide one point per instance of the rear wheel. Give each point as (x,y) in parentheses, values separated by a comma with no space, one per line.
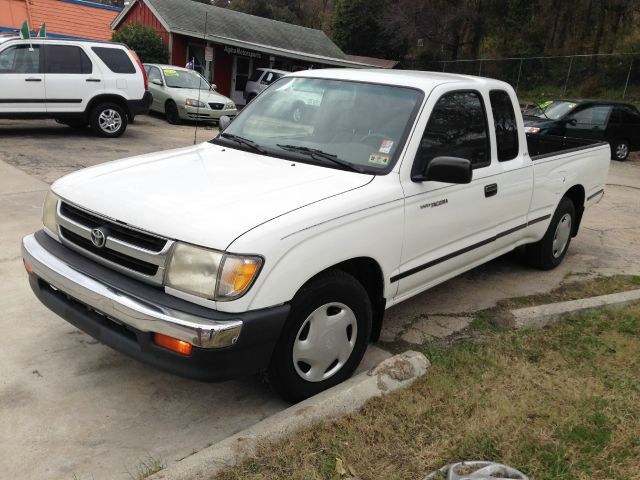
(108,120)
(549,252)
(171,110)
(324,338)
(620,150)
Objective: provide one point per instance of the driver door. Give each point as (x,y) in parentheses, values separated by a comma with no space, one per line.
(447,226)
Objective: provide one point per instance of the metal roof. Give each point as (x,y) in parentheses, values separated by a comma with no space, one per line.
(230,27)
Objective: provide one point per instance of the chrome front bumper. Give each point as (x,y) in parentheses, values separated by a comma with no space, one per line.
(124,308)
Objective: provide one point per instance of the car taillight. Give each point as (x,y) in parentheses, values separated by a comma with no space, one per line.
(144,72)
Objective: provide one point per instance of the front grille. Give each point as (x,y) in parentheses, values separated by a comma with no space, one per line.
(131,251)
(216,106)
(116,257)
(134,237)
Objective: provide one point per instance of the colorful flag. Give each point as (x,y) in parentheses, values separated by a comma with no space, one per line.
(25,34)
(43,31)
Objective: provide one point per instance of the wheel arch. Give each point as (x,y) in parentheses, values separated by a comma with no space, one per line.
(577,195)
(369,273)
(108,97)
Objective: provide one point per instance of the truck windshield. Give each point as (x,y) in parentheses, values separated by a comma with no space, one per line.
(184,79)
(551,110)
(334,123)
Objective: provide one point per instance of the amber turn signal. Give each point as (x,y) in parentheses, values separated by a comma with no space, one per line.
(173,344)
(27,266)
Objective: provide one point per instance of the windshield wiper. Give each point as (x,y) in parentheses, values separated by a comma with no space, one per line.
(244,141)
(314,152)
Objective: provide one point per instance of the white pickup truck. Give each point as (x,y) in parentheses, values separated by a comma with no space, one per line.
(277,246)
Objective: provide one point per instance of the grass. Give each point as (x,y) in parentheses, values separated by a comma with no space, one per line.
(558,403)
(148,467)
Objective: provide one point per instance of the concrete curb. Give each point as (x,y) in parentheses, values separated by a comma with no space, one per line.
(542,315)
(391,374)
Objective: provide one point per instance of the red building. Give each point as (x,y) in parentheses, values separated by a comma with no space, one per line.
(64,18)
(226,46)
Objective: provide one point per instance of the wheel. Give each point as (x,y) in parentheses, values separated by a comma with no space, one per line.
(171,109)
(324,338)
(297,112)
(619,150)
(108,120)
(551,249)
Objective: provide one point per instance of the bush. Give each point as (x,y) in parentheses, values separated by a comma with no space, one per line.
(143,40)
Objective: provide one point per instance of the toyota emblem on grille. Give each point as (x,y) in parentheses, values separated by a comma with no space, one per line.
(98,237)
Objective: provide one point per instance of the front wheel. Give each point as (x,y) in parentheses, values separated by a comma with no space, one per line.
(108,120)
(549,252)
(619,150)
(171,110)
(324,338)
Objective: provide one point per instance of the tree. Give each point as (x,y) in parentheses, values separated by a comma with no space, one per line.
(364,27)
(144,40)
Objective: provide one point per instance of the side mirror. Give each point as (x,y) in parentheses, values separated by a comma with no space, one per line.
(224,122)
(157,81)
(572,121)
(447,170)
(213,87)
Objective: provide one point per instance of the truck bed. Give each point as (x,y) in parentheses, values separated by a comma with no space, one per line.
(544,146)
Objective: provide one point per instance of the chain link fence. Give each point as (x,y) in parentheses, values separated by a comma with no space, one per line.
(536,79)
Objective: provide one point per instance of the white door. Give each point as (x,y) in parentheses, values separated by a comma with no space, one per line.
(22,83)
(72,79)
(449,228)
(242,68)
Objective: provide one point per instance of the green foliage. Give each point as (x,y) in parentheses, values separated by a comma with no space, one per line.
(144,40)
(361,27)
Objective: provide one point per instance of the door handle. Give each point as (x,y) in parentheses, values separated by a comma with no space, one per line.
(92,80)
(32,79)
(490,190)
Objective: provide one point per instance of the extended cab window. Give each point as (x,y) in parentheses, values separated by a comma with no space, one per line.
(66,59)
(115,58)
(504,120)
(457,128)
(270,77)
(20,59)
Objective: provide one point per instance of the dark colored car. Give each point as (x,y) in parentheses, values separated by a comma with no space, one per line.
(613,122)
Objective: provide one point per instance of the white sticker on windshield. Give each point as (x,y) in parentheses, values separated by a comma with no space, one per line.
(386,146)
(378,159)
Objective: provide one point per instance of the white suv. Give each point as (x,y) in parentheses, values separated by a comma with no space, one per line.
(78,83)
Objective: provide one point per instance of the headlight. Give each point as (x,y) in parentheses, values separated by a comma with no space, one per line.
(209,273)
(49,211)
(192,102)
(230,106)
(531,129)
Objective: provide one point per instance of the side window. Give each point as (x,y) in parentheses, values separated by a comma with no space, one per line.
(20,59)
(504,119)
(269,78)
(590,117)
(66,59)
(457,128)
(116,59)
(154,74)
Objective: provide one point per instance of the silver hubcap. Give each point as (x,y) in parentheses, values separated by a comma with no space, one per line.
(324,342)
(562,235)
(110,120)
(622,150)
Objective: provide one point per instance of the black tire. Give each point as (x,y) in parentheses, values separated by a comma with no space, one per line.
(547,254)
(98,119)
(171,111)
(331,287)
(619,150)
